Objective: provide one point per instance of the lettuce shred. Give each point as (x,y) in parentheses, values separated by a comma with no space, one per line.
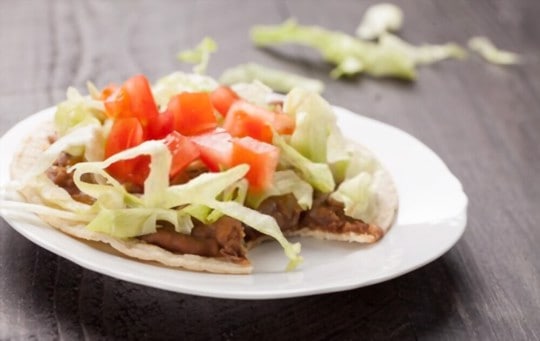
(317,174)
(277,80)
(387,57)
(207,196)
(350,55)
(285,182)
(200,55)
(178,82)
(76,111)
(379,19)
(423,54)
(491,53)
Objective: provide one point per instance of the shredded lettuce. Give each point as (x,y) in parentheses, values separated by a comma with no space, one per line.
(316,174)
(75,140)
(93,91)
(122,214)
(161,201)
(314,121)
(254,92)
(199,212)
(200,55)
(57,197)
(316,136)
(378,19)
(492,54)
(350,55)
(387,57)
(132,222)
(359,162)
(357,178)
(357,195)
(284,182)
(206,186)
(178,82)
(236,192)
(76,111)
(277,80)
(262,223)
(204,189)
(108,192)
(423,54)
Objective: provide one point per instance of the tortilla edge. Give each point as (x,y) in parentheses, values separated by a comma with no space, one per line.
(132,248)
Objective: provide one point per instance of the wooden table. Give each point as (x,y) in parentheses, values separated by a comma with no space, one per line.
(483,120)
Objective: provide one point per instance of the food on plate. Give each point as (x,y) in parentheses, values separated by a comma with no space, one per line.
(191,174)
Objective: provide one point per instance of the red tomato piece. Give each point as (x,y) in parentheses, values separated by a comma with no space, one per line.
(108,90)
(192,113)
(223,98)
(133,99)
(215,148)
(284,124)
(141,99)
(160,126)
(127,133)
(117,103)
(246,119)
(261,157)
(183,152)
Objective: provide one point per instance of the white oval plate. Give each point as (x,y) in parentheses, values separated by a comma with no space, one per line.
(431,219)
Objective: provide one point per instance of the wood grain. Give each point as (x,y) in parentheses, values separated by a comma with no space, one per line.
(481,119)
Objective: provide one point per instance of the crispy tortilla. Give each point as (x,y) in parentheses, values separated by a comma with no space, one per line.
(131,247)
(387,201)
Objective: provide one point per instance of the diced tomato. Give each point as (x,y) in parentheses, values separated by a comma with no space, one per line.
(261,157)
(127,133)
(108,90)
(223,98)
(246,119)
(141,99)
(117,103)
(183,152)
(160,126)
(215,148)
(284,124)
(133,99)
(192,113)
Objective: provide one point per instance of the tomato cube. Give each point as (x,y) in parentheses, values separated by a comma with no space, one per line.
(127,133)
(215,148)
(223,98)
(133,99)
(160,126)
(183,152)
(261,157)
(192,113)
(246,119)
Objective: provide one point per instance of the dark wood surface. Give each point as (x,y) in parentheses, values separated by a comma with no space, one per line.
(483,120)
